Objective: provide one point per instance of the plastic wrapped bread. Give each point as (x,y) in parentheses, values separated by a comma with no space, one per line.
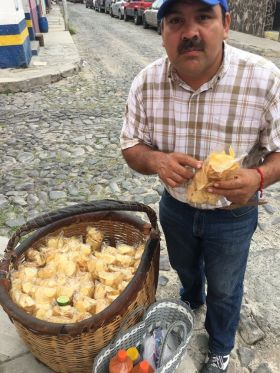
(84,304)
(37,257)
(102,304)
(217,166)
(125,249)
(94,238)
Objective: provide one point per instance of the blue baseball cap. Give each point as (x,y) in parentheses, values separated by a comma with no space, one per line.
(167,3)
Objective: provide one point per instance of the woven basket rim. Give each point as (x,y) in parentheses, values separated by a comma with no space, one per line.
(96,321)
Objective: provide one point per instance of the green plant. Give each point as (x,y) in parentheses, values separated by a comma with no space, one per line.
(72,30)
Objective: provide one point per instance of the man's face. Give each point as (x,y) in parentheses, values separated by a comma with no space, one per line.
(193,34)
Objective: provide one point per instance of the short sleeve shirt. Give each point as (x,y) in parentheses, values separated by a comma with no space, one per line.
(239,106)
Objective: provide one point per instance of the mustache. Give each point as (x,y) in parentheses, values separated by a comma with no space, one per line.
(194,43)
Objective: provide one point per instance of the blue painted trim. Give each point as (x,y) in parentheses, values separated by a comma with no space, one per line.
(31,33)
(30,29)
(16,56)
(13,29)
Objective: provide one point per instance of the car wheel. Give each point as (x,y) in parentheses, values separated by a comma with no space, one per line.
(145,24)
(159,29)
(137,18)
(120,15)
(125,17)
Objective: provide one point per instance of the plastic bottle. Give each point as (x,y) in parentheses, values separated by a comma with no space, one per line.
(142,367)
(120,363)
(133,354)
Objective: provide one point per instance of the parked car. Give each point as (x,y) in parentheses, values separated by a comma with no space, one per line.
(135,9)
(77,1)
(150,16)
(100,6)
(89,4)
(107,6)
(117,8)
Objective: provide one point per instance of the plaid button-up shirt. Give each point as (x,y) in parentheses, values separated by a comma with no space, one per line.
(239,106)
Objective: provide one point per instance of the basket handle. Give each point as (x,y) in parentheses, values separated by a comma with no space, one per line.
(94,206)
(123,325)
(171,327)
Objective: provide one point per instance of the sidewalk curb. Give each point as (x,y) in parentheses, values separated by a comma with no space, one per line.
(267,53)
(25,85)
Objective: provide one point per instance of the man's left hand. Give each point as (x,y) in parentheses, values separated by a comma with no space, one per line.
(240,188)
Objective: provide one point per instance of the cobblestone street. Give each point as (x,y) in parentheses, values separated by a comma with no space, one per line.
(59,145)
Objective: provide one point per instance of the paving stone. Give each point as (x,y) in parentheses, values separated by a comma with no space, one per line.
(250,331)
(268,208)
(187,365)
(12,223)
(24,364)
(18,201)
(11,345)
(162,281)
(25,157)
(3,244)
(262,226)
(151,198)
(56,194)
(246,355)
(164,264)
(263,368)
(276,221)
(3,201)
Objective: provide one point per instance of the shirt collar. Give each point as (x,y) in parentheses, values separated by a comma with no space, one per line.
(172,73)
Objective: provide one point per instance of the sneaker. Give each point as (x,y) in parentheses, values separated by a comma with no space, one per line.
(215,363)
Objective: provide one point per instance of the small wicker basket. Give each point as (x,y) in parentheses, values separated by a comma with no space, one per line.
(172,315)
(71,348)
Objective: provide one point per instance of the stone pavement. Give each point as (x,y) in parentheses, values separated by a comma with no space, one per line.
(58,59)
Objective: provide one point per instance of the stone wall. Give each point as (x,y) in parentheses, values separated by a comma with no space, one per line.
(251,16)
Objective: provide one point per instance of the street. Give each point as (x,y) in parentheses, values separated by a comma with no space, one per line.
(59,145)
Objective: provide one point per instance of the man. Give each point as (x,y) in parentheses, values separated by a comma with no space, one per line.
(205,96)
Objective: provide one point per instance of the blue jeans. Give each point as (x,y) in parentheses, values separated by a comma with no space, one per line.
(211,244)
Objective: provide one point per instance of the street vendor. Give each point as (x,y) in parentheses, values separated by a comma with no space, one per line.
(204,96)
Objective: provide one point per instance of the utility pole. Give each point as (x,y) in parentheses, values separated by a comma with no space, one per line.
(65,15)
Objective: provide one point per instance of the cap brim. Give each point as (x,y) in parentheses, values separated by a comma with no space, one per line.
(164,7)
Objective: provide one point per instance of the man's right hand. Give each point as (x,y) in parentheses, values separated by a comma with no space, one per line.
(176,168)
(172,168)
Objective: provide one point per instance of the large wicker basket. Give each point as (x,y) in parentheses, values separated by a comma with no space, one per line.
(73,347)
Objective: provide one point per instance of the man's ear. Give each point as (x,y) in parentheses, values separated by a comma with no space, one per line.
(161,29)
(227,25)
